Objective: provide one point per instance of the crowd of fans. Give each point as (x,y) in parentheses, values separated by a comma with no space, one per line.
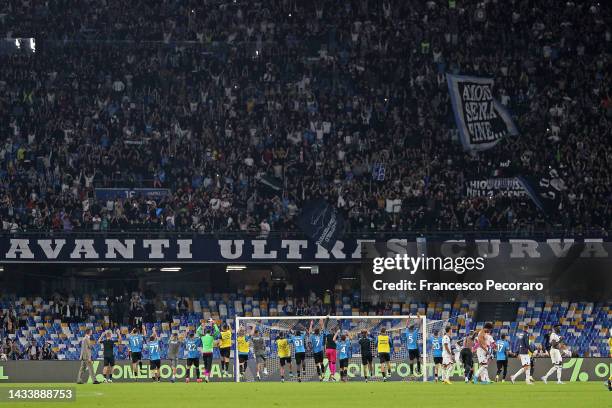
(204,98)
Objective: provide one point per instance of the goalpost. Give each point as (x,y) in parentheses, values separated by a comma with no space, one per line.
(270,326)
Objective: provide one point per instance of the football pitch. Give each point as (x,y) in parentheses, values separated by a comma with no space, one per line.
(318,395)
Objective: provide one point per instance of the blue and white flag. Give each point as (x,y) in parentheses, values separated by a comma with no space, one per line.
(321,223)
(481,120)
(378,172)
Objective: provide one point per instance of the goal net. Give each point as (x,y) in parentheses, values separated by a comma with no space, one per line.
(262,335)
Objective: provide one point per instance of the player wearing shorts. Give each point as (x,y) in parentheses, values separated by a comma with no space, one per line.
(383,346)
(435,345)
(136,342)
(108,344)
(298,339)
(344,353)
(317,343)
(207,337)
(284,354)
(502,358)
(411,335)
(330,352)
(259,350)
(225,347)
(154,348)
(467,356)
(242,341)
(193,357)
(174,345)
(448,359)
(485,340)
(555,355)
(365,346)
(523,352)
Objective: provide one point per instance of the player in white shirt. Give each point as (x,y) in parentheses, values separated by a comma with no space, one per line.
(448,360)
(555,355)
(485,340)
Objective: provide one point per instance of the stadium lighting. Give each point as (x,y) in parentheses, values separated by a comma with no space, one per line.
(235,268)
(314,269)
(171,269)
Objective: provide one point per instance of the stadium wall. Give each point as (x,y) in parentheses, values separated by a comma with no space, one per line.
(575,369)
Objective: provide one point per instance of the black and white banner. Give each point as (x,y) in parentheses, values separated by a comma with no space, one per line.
(493,187)
(545,192)
(321,223)
(481,120)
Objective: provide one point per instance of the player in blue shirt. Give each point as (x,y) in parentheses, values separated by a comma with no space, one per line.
(193,356)
(154,347)
(136,342)
(435,345)
(298,339)
(411,337)
(344,353)
(502,358)
(317,343)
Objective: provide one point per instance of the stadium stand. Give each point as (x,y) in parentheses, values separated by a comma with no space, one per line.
(583,323)
(207,98)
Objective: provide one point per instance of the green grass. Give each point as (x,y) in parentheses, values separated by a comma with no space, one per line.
(337,395)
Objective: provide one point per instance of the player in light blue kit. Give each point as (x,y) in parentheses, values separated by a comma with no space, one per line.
(136,342)
(317,342)
(298,339)
(435,345)
(344,353)
(501,356)
(193,357)
(154,347)
(411,339)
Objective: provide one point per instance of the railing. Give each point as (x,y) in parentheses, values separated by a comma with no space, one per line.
(379,235)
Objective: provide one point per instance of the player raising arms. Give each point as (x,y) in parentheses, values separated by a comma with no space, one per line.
(284,354)
(555,355)
(523,352)
(411,335)
(259,350)
(193,356)
(317,342)
(435,345)
(244,349)
(207,337)
(109,353)
(448,359)
(154,347)
(502,358)
(225,348)
(344,353)
(383,345)
(485,340)
(365,345)
(136,342)
(298,340)
(330,351)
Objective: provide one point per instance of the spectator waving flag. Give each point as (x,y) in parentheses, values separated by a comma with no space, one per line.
(481,120)
(321,222)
